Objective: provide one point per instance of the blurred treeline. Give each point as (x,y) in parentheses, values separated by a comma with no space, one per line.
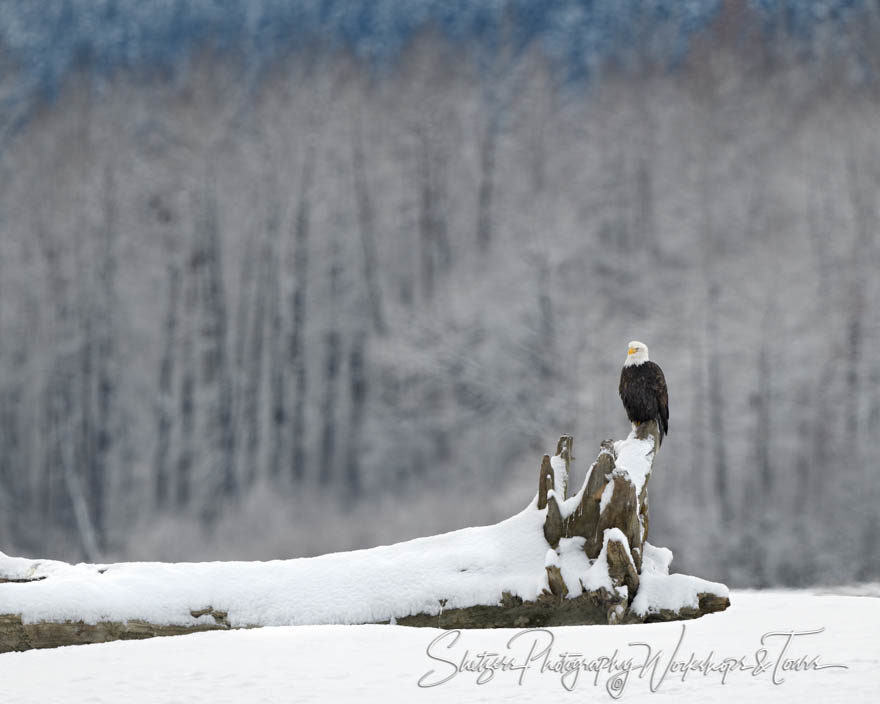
(329,302)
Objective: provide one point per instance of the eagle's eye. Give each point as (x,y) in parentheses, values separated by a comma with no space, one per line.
(631,350)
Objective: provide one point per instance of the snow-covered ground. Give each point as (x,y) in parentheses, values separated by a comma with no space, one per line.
(388,663)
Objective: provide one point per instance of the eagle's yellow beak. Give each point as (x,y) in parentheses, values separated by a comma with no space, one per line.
(631,350)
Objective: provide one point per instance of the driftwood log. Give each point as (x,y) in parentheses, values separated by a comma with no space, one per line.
(611,529)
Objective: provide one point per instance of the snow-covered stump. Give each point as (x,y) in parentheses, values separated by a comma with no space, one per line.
(608,520)
(608,498)
(599,567)
(563,560)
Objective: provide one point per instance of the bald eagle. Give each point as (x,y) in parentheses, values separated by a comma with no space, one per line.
(643,389)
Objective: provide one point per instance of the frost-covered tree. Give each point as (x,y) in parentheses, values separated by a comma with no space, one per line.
(244,286)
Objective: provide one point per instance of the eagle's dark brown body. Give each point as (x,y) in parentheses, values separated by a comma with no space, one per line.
(643,392)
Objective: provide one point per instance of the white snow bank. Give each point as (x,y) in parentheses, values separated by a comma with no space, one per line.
(671,591)
(656,560)
(465,567)
(570,505)
(560,476)
(607,495)
(597,577)
(635,456)
(23,568)
(573,564)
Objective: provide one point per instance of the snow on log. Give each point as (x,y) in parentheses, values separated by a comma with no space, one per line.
(563,560)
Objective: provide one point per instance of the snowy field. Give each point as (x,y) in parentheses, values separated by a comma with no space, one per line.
(388,663)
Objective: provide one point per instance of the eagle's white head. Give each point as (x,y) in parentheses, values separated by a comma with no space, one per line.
(637,353)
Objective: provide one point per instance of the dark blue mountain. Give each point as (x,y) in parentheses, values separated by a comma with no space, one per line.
(46,38)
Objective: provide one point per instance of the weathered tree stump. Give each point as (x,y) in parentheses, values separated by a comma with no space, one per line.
(607,499)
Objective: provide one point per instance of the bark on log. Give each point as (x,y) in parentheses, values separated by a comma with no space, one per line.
(553,524)
(622,512)
(621,568)
(513,612)
(545,481)
(15,635)
(585,519)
